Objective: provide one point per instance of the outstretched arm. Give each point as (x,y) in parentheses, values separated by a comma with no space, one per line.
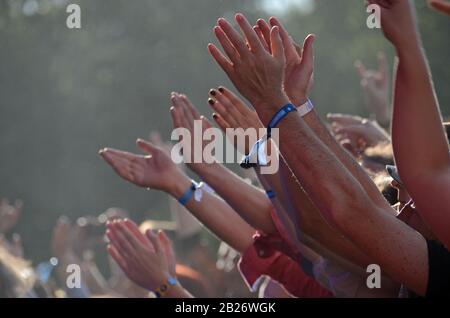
(250,202)
(400,251)
(157,171)
(420,145)
(298,214)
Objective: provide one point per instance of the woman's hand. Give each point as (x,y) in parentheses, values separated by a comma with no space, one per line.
(257,74)
(231,112)
(148,260)
(185,115)
(155,170)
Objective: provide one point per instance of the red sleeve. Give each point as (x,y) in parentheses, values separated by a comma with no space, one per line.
(262,259)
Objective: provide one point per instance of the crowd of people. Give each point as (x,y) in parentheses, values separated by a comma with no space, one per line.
(347,195)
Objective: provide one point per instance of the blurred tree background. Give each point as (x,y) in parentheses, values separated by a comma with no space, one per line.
(67,93)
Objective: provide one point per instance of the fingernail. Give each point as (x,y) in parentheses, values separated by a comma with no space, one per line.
(221,89)
(211,101)
(212,92)
(215,116)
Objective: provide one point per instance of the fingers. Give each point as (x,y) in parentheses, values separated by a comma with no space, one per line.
(118,162)
(250,34)
(168,251)
(223,62)
(194,113)
(307,54)
(146,146)
(276,44)
(118,239)
(382,64)
(261,38)
(289,48)
(234,39)
(236,101)
(206,122)
(225,108)
(137,233)
(156,243)
(344,120)
(355,130)
(361,69)
(440,5)
(176,117)
(222,123)
(117,257)
(265,30)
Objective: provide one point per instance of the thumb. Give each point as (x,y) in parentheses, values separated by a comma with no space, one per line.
(307,53)
(146,146)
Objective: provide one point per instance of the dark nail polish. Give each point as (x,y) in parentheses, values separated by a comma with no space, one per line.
(211,101)
(221,89)
(212,92)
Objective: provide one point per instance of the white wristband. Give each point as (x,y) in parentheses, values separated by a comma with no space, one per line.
(304,109)
(202,186)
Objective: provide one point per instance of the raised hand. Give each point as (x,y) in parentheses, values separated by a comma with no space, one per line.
(356,133)
(440,5)
(375,84)
(154,170)
(147,260)
(399,22)
(256,73)
(299,66)
(9,214)
(231,112)
(184,115)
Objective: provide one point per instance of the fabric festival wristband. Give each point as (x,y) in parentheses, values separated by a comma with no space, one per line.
(304,109)
(188,194)
(164,288)
(283,112)
(196,190)
(257,155)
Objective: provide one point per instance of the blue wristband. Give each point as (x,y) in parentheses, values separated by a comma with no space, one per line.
(286,109)
(270,194)
(188,194)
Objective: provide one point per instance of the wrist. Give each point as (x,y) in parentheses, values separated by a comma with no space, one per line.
(169,287)
(299,100)
(409,50)
(179,187)
(268,108)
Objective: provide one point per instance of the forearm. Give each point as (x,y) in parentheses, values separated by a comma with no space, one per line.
(315,124)
(343,202)
(247,200)
(217,216)
(317,233)
(417,122)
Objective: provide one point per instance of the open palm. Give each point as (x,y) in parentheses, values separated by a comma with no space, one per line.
(154,170)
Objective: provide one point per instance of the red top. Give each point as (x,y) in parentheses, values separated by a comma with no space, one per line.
(263,258)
